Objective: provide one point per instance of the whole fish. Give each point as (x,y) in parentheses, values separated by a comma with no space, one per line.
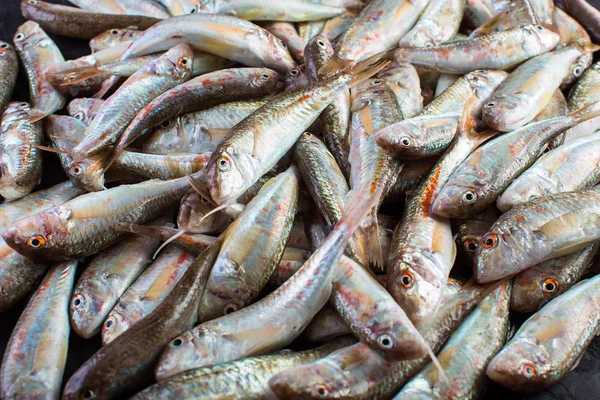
(585,92)
(257,143)
(379,27)
(242,379)
(37,52)
(124,365)
(74,22)
(545,228)
(9,68)
(423,250)
(202,92)
(84,109)
(252,247)
(146,8)
(273,321)
(501,50)
(269,10)
(148,291)
(358,372)
(86,225)
(105,279)
(180,7)
(431,131)
(488,171)
(201,131)
(467,353)
(36,353)
(549,343)
(287,32)
(403,79)
(20,160)
(113,37)
(587,15)
(438,24)
(335,119)
(192,212)
(568,168)
(541,283)
(528,89)
(470,231)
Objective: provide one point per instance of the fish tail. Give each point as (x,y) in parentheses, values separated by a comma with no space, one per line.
(585,113)
(370,228)
(334,66)
(358,204)
(369,67)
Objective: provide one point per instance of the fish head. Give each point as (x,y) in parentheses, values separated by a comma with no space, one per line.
(86,308)
(189,350)
(418,291)
(536,286)
(522,365)
(112,37)
(296,78)
(84,110)
(229,173)
(403,139)
(277,55)
(115,324)
(42,235)
(88,173)
(461,197)
(177,62)
(538,37)
(29,35)
(582,63)
(319,380)
(15,111)
(506,112)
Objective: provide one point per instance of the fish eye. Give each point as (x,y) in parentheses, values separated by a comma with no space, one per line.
(376,82)
(267,76)
(76,170)
(490,240)
(3,46)
(230,308)
(79,115)
(177,342)
(577,71)
(405,142)
(23,105)
(283,44)
(528,370)
(549,285)
(539,27)
(491,104)
(166,124)
(192,11)
(36,241)
(223,164)
(109,322)
(293,72)
(321,44)
(471,245)
(320,391)
(407,280)
(19,36)
(385,341)
(77,301)
(183,61)
(469,196)
(114,32)
(32,2)
(88,394)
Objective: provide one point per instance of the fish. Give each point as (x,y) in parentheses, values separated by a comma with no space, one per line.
(544,228)
(105,279)
(423,249)
(76,23)
(501,50)
(20,160)
(252,247)
(147,292)
(9,68)
(241,379)
(87,224)
(84,109)
(146,8)
(543,282)
(37,52)
(528,89)
(467,352)
(258,142)
(202,92)
(490,169)
(124,366)
(438,24)
(36,353)
(272,322)
(584,92)
(269,10)
(114,37)
(568,168)
(550,342)
(287,32)
(200,131)
(378,28)
(430,132)
(335,119)
(587,15)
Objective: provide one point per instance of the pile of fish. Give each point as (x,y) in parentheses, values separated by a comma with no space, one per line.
(374,184)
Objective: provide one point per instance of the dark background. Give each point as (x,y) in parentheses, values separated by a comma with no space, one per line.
(581,384)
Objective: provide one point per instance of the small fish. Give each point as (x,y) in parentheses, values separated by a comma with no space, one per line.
(545,228)
(148,291)
(20,160)
(74,22)
(287,32)
(37,52)
(548,344)
(146,8)
(490,169)
(541,283)
(87,224)
(114,37)
(270,10)
(438,24)
(501,50)
(84,109)
(9,68)
(36,353)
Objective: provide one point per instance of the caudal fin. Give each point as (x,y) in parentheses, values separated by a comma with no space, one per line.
(358,204)
(367,68)
(370,227)
(334,66)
